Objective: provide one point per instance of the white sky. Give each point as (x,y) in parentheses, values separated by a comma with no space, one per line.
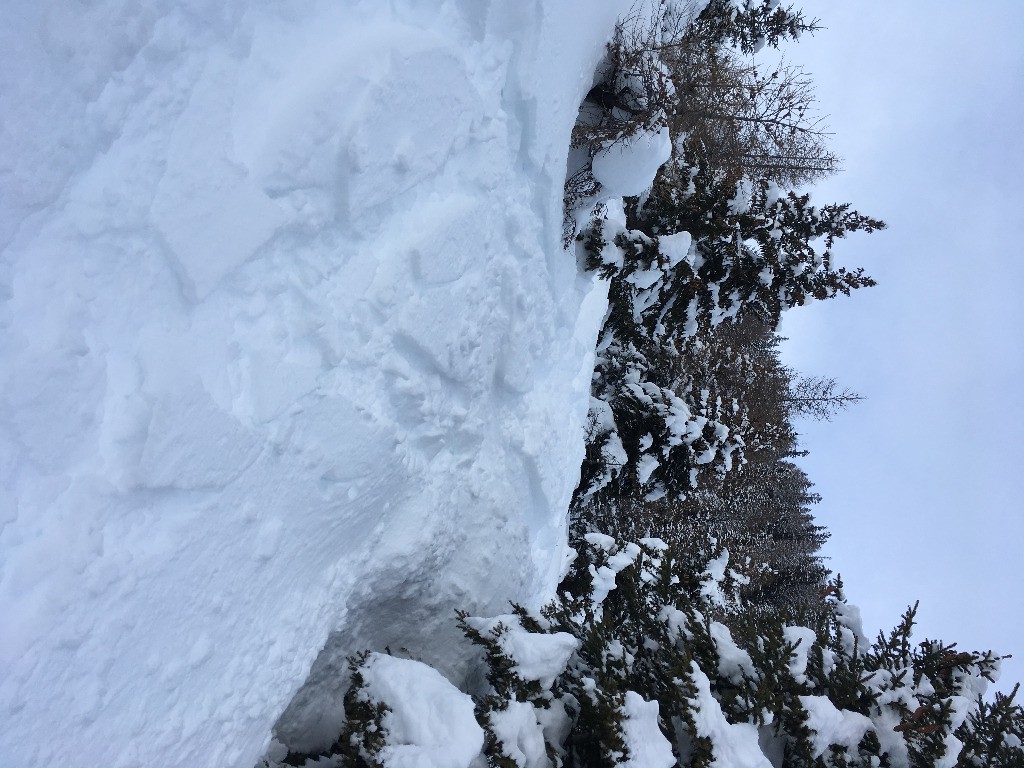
(923,482)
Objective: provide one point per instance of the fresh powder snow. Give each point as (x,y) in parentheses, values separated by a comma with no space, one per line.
(429,721)
(292,356)
(627,167)
(647,745)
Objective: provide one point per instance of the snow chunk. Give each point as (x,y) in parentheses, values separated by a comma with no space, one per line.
(537,656)
(600,540)
(646,467)
(804,638)
(735,744)
(625,558)
(675,247)
(740,202)
(541,657)
(520,734)
(733,662)
(647,745)
(675,621)
(849,619)
(430,723)
(713,576)
(832,725)
(604,577)
(627,167)
(652,542)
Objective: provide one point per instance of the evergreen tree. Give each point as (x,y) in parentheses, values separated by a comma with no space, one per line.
(749,26)
(715,244)
(665,630)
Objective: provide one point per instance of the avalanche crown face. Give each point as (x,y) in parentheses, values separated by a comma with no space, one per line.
(290,349)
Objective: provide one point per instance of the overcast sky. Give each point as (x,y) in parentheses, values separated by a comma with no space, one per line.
(923,481)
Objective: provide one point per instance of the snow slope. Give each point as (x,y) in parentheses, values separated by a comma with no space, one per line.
(288,347)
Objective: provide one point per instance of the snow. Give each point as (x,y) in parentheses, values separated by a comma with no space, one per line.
(646,467)
(292,357)
(613,451)
(734,663)
(740,203)
(624,558)
(536,656)
(604,582)
(429,723)
(600,540)
(712,578)
(646,744)
(849,618)
(803,639)
(735,745)
(520,734)
(652,542)
(628,166)
(676,247)
(831,725)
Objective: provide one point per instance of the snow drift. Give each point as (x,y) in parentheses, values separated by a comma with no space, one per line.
(289,348)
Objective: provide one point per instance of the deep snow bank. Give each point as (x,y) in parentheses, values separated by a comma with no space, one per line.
(288,345)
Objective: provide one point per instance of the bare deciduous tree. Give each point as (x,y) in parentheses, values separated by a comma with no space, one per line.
(746,122)
(670,68)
